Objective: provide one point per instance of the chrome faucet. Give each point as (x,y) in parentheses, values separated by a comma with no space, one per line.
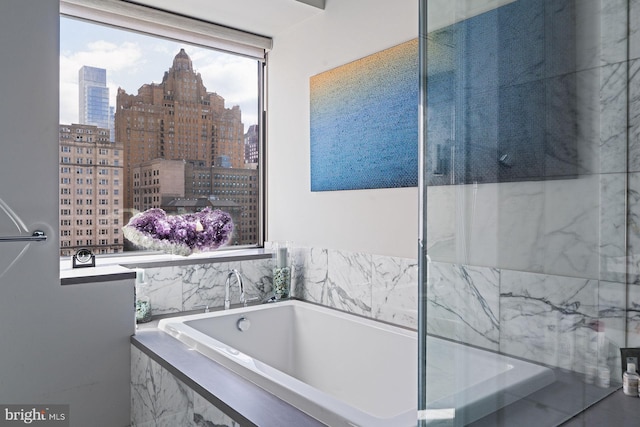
(227,300)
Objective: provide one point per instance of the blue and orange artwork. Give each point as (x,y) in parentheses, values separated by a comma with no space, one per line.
(364,122)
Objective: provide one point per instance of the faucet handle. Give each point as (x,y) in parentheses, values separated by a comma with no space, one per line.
(205,306)
(250,299)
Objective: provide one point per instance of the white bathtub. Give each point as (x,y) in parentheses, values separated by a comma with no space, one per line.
(345,370)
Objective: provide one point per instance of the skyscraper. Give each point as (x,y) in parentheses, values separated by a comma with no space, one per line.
(176,119)
(93,97)
(90,190)
(251,142)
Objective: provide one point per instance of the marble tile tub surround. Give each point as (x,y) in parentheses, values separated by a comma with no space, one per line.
(158,398)
(177,288)
(377,286)
(381,287)
(541,317)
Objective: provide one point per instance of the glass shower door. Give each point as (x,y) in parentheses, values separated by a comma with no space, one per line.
(523,197)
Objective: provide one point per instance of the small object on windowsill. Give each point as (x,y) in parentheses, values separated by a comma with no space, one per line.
(83,258)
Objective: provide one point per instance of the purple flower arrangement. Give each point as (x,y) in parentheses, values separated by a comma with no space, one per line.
(180,234)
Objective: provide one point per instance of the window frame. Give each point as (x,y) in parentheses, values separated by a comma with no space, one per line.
(157,23)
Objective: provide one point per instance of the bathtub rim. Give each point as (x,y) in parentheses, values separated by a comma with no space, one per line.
(329,413)
(508,395)
(237,397)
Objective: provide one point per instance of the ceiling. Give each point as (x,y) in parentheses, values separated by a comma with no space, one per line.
(263,17)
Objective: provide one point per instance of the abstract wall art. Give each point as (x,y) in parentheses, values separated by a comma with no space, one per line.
(364,122)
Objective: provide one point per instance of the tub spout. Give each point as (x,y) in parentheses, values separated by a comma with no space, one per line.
(227,284)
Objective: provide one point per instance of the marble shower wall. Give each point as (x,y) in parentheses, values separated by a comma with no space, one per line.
(545,259)
(633,216)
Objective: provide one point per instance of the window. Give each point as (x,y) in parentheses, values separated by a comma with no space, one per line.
(149,143)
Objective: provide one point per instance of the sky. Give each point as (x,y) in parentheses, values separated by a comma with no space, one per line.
(133,59)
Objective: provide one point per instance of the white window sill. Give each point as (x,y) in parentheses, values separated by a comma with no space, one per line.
(110,268)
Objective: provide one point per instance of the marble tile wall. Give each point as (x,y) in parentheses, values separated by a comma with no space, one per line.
(542,317)
(160,399)
(550,258)
(189,287)
(545,318)
(633,214)
(381,287)
(376,286)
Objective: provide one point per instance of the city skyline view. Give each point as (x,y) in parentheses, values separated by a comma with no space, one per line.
(133,59)
(183,137)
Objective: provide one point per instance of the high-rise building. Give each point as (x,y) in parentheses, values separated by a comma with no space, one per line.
(176,119)
(184,186)
(239,186)
(251,142)
(112,124)
(156,179)
(93,97)
(91,212)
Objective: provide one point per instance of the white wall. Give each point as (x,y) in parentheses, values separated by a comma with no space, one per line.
(58,344)
(383,222)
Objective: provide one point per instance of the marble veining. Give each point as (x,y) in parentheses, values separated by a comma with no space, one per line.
(633,317)
(182,288)
(633,227)
(549,227)
(613,28)
(634,111)
(601,114)
(349,281)
(571,222)
(203,285)
(394,295)
(463,304)
(164,289)
(634,29)
(612,148)
(613,227)
(311,273)
(601,34)
(547,318)
(159,399)
(612,314)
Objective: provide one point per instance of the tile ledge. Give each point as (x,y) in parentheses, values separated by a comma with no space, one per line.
(110,268)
